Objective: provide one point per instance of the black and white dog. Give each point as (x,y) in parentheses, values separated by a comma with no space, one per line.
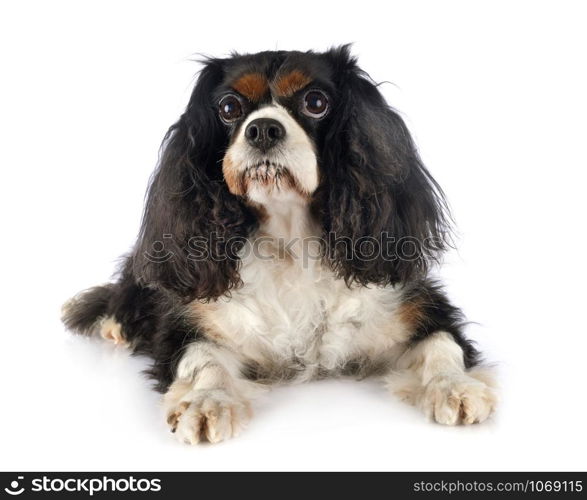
(287,235)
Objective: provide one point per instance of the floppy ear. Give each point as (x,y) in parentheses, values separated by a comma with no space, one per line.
(375,187)
(192,225)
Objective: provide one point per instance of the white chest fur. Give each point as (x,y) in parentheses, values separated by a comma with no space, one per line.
(291,311)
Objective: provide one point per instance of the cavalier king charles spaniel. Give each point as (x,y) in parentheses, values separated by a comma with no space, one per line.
(287,236)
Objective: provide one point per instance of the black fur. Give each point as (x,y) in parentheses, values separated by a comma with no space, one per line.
(153,321)
(372,183)
(83,310)
(375,184)
(438,314)
(188,198)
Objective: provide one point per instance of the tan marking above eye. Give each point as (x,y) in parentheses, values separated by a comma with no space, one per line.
(290,83)
(252,85)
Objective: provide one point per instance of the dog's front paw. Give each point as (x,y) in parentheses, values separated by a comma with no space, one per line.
(212,415)
(458,399)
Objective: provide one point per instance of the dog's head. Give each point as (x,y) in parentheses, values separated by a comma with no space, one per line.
(266,126)
(272,109)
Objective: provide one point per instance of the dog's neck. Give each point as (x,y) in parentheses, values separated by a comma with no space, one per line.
(284,215)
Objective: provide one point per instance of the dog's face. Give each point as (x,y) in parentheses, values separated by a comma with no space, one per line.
(273,108)
(265,125)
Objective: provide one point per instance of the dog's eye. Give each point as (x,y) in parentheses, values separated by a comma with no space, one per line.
(315,104)
(230,108)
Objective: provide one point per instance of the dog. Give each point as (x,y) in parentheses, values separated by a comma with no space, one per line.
(288,235)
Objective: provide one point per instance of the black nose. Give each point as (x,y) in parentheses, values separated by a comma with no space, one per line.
(264,133)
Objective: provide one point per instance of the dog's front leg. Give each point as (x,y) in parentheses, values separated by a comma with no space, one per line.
(431,374)
(207,400)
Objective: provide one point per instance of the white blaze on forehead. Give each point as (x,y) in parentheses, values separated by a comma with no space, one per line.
(295,152)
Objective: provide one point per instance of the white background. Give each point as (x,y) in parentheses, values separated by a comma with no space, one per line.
(495,94)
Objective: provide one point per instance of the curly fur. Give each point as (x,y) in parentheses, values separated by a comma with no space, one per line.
(212,316)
